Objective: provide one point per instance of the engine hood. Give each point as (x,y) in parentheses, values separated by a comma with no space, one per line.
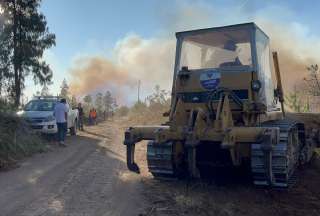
(36,114)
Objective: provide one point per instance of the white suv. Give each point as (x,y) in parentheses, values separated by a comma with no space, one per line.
(39,114)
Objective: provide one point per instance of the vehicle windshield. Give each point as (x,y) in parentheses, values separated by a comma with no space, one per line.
(40,105)
(223,48)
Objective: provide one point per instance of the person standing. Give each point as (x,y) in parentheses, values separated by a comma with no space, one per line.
(91,117)
(81,116)
(61,115)
(95,117)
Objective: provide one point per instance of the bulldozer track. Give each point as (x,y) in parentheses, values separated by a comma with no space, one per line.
(284,157)
(160,160)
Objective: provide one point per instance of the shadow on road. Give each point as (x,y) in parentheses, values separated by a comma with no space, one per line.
(80,179)
(97,134)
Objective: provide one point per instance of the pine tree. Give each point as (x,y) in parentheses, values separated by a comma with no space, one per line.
(114,104)
(74,102)
(108,102)
(4,54)
(24,38)
(295,101)
(87,103)
(159,96)
(99,103)
(45,90)
(64,90)
(88,100)
(313,80)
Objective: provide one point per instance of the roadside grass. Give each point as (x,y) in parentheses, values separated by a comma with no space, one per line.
(17,140)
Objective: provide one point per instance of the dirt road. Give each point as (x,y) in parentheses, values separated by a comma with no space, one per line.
(89,177)
(83,179)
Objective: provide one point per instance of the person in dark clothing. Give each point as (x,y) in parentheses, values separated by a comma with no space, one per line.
(81,116)
(231,47)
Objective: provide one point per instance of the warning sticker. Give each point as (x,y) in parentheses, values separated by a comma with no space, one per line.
(210,79)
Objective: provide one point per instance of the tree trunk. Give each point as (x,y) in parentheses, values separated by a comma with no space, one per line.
(16,63)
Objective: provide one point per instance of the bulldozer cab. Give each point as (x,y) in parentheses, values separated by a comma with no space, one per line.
(235,57)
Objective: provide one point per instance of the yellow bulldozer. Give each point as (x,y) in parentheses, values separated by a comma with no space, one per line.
(225,112)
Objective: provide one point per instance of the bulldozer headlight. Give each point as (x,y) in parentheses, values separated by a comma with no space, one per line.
(256,85)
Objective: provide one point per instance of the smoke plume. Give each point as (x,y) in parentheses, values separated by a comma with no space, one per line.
(134,58)
(296,50)
(95,72)
(151,60)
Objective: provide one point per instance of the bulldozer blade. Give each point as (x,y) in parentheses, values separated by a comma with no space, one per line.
(132,166)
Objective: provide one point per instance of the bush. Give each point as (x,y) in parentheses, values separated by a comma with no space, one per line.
(122,111)
(139,107)
(6,106)
(17,140)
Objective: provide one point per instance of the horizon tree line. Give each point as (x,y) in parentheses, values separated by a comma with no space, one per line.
(102,102)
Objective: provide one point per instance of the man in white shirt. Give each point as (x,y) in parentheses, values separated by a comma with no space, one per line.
(61,115)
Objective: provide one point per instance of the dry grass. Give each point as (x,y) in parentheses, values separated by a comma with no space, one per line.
(147,117)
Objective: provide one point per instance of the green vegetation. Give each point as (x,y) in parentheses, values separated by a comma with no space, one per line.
(150,111)
(87,102)
(305,98)
(313,81)
(123,111)
(64,90)
(109,102)
(24,36)
(16,140)
(297,101)
(99,103)
(105,105)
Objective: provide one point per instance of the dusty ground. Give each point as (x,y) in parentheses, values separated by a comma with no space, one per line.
(89,177)
(83,179)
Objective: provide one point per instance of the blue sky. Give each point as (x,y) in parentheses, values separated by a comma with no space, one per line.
(85,28)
